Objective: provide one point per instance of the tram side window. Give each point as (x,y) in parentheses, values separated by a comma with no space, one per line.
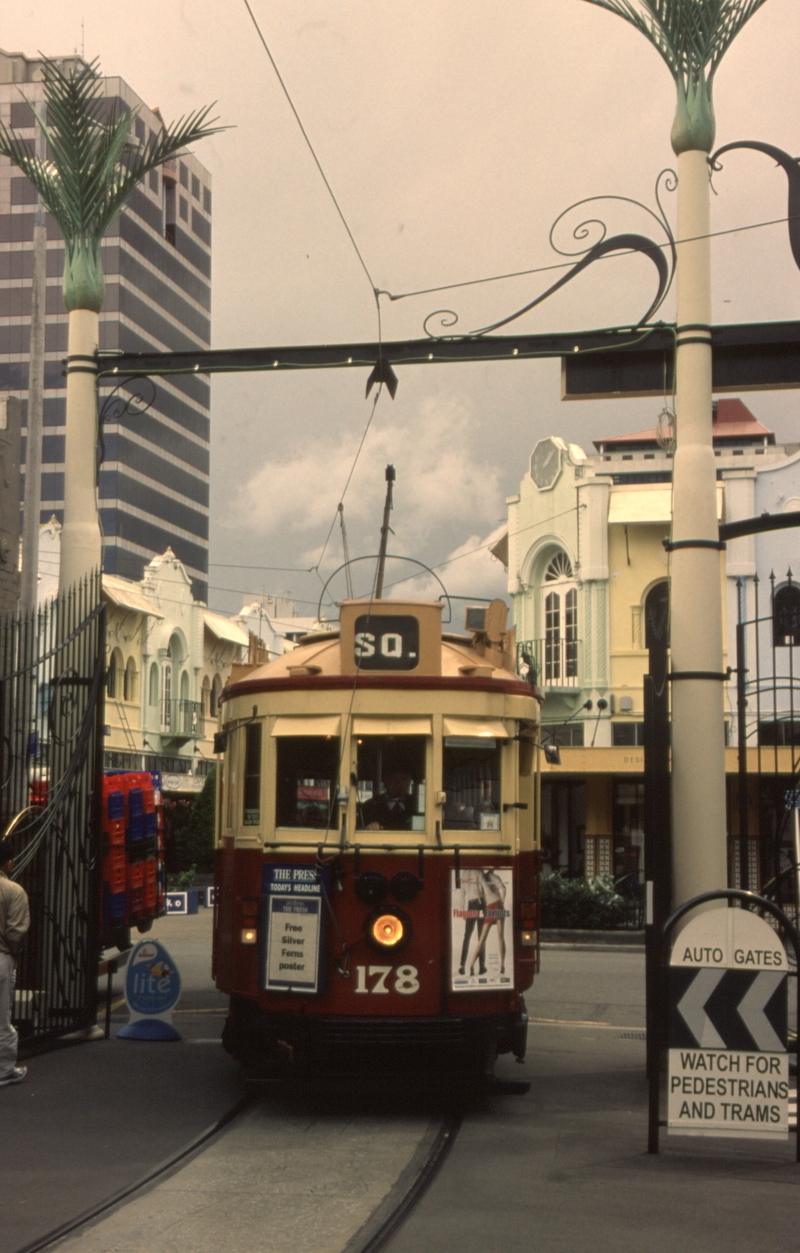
(391,783)
(308,772)
(231,770)
(252,775)
(471,781)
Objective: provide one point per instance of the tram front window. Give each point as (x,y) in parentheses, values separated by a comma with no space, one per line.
(391,783)
(471,780)
(308,771)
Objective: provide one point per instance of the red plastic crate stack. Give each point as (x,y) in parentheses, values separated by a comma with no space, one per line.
(114,861)
(133,837)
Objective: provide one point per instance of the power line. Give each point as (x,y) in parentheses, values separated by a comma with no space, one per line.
(566,265)
(349,477)
(231,565)
(317,161)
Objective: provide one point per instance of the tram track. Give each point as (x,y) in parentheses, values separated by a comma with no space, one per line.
(373,1234)
(131,1190)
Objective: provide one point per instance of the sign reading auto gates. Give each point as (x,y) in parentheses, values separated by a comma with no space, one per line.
(728,1011)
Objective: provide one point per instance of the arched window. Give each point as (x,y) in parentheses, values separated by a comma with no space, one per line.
(184,686)
(115,670)
(153,693)
(166,696)
(216,688)
(656,615)
(205,696)
(786,615)
(560,601)
(130,681)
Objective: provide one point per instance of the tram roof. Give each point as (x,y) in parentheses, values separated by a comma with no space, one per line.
(319,656)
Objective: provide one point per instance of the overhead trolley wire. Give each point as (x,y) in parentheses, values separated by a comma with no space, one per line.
(376,293)
(317,161)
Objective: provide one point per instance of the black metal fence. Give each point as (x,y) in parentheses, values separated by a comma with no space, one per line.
(51,723)
(765,844)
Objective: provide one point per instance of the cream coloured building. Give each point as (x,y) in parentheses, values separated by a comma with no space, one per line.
(585,557)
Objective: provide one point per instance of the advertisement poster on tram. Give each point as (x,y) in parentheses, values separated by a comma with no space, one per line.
(481,929)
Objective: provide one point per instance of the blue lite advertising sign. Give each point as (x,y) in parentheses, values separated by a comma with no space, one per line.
(152,990)
(292,958)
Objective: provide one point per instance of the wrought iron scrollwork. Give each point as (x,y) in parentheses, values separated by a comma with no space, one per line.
(662,255)
(141,395)
(791,166)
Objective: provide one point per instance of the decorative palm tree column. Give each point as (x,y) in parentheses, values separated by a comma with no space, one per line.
(91,170)
(692,36)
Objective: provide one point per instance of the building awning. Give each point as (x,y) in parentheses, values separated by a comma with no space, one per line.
(363,725)
(314,724)
(476,728)
(643,503)
(128,595)
(224,629)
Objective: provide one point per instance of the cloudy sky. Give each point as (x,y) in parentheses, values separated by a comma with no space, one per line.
(453,133)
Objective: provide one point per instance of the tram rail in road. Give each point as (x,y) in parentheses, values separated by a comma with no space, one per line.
(383,1171)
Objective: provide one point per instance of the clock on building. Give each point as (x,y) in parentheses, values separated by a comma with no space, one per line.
(546,462)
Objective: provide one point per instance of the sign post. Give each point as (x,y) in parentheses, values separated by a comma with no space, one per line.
(152,990)
(726,1021)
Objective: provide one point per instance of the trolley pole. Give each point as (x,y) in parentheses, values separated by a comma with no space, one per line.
(385,529)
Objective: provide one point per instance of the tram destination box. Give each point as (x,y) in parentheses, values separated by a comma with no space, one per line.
(293,930)
(385,637)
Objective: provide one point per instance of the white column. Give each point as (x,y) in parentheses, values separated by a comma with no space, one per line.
(698,735)
(81,547)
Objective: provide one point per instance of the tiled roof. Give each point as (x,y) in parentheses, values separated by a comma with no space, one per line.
(733,422)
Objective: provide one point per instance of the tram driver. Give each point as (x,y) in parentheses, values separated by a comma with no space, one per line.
(391,811)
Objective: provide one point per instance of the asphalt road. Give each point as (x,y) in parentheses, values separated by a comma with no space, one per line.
(564,1169)
(92,1118)
(560,1169)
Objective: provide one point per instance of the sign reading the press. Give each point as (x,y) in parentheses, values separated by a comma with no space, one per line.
(292,912)
(728,1011)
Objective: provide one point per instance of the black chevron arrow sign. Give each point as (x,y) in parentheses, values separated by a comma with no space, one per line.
(718,1008)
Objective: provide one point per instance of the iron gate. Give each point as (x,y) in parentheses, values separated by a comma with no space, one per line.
(765,838)
(51,709)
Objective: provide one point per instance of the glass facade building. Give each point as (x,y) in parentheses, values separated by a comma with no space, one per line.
(154,476)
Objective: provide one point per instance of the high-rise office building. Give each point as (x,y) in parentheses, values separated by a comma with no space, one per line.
(154,477)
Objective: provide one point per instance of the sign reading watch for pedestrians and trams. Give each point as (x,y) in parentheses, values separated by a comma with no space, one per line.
(728,1064)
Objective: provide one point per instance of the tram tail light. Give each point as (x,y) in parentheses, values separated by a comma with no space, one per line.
(388,929)
(248,935)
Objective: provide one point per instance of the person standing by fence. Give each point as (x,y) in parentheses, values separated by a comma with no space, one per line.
(15,918)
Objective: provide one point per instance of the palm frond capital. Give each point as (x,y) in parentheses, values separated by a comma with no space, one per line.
(91,171)
(691,37)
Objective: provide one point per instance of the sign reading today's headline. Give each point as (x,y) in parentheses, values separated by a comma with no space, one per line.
(728,1065)
(293,955)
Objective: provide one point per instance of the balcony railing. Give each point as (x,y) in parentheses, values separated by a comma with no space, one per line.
(556,662)
(182,719)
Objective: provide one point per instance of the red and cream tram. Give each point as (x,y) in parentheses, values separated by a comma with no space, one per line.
(377,842)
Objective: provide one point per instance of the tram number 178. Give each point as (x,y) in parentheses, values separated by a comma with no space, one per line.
(375,979)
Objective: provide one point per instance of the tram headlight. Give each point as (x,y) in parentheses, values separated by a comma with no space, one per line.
(388,930)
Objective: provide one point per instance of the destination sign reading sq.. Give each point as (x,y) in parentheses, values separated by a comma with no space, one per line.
(387,642)
(728,1016)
